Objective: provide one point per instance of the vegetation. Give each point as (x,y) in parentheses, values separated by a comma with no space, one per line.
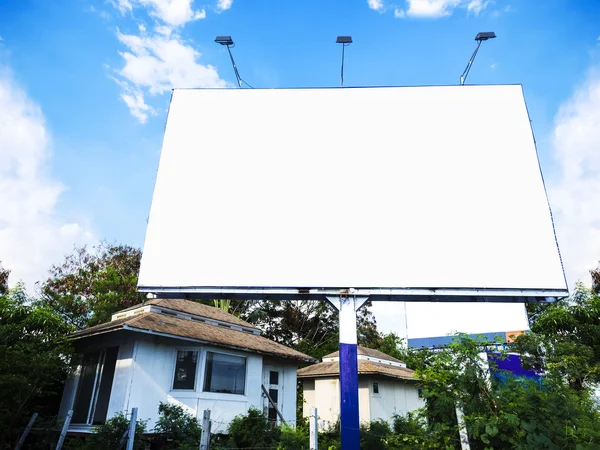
(109,434)
(177,428)
(556,411)
(88,287)
(34,356)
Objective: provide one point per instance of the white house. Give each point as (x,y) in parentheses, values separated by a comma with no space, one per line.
(182,352)
(385,387)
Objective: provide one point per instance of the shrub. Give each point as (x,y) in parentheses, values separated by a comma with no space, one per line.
(177,428)
(253,430)
(108,435)
(372,436)
(293,438)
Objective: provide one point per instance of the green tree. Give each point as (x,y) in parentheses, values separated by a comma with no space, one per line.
(108,435)
(595,273)
(507,412)
(565,339)
(34,356)
(88,287)
(306,325)
(4,274)
(180,429)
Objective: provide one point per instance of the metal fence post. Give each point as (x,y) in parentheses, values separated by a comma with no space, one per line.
(314,429)
(132,424)
(205,436)
(65,428)
(26,432)
(462,427)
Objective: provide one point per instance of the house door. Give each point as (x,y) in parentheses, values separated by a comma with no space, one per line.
(272,381)
(95,383)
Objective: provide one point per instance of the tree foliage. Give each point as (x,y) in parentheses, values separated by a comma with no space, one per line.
(34,355)
(178,428)
(4,274)
(500,412)
(565,339)
(306,325)
(88,287)
(109,434)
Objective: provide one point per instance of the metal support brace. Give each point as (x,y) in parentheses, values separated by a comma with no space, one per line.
(132,424)
(65,428)
(349,415)
(26,432)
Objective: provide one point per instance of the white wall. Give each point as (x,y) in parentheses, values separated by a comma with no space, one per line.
(289,388)
(395,397)
(326,400)
(144,376)
(153,372)
(124,369)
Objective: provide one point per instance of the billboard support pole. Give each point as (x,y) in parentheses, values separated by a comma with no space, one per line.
(349,414)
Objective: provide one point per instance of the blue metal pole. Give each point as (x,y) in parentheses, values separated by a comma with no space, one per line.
(349,412)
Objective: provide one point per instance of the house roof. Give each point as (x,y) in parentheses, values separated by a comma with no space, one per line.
(332,369)
(369,352)
(195,308)
(157,323)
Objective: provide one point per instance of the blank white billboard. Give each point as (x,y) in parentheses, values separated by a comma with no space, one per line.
(390,191)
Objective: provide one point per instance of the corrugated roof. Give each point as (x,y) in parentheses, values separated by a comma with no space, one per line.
(332,368)
(202,332)
(195,308)
(370,352)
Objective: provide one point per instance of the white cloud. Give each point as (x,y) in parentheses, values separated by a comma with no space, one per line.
(399,13)
(222,5)
(32,235)
(134,99)
(157,61)
(440,8)
(173,12)
(154,64)
(574,191)
(377,5)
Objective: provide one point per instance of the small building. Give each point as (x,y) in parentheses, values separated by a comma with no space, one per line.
(385,387)
(181,352)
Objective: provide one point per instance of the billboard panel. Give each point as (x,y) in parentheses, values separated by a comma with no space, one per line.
(417,193)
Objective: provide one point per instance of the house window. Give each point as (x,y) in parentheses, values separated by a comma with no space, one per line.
(375,388)
(225,374)
(185,370)
(273,377)
(420,392)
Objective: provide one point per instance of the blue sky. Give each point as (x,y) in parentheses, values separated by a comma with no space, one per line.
(84,87)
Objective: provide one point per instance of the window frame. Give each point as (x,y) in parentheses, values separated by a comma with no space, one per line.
(378,393)
(174,370)
(205,368)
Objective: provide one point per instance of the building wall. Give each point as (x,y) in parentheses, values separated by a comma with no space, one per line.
(153,373)
(144,376)
(395,397)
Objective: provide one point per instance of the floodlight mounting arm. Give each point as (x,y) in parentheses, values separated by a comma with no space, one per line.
(342,72)
(464,75)
(235,70)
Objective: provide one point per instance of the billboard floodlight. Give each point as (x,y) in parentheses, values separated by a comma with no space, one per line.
(485,35)
(482,36)
(228,42)
(224,40)
(344,40)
